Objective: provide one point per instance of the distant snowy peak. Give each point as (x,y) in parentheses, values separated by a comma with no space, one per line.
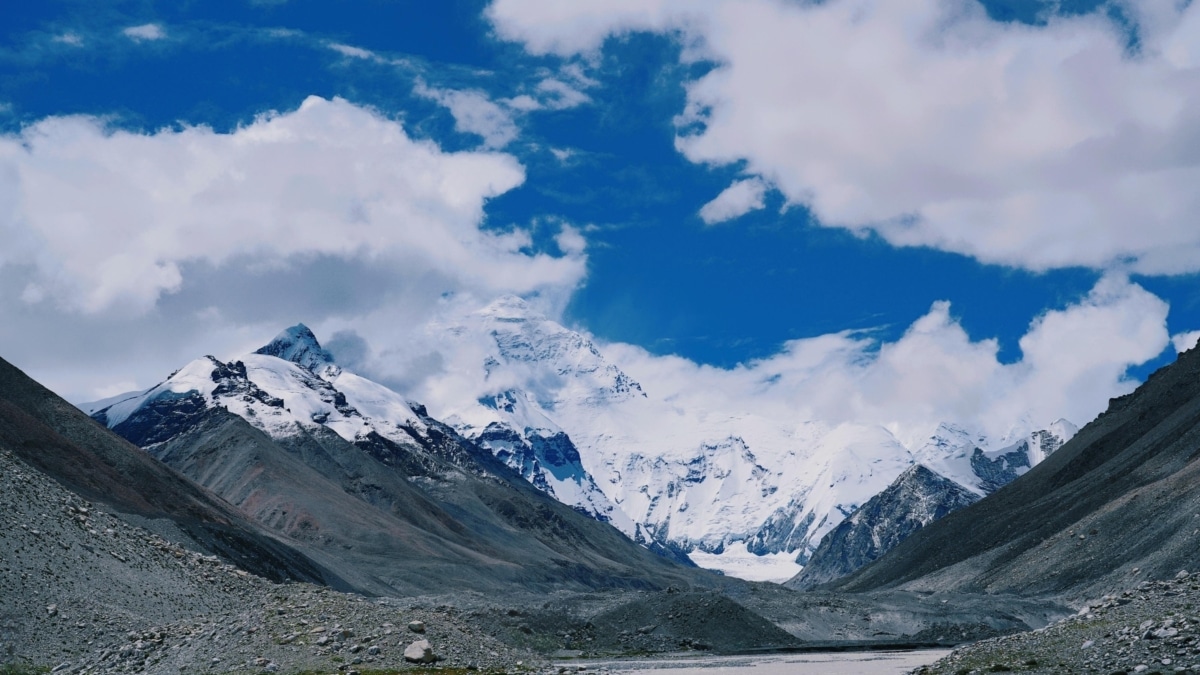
(983,465)
(298,345)
(525,337)
(287,386)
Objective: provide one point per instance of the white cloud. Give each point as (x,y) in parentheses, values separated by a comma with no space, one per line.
(1035,146)
(1185,341)
(352,51)
(72,39)
(146,31)
(558,95)
(735,201)
(1073,361)
(474,113)
(571,241)
(101,220)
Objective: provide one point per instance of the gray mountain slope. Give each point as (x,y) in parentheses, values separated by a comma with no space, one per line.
(1118,503)
(57,439)
(407,519)
(915,499)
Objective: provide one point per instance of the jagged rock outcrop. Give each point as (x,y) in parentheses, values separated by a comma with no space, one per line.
(917,498)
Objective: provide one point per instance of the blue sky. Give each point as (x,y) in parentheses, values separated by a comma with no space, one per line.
(593,112)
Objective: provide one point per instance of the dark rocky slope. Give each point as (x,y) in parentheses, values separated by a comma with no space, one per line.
(1122,495)
(916,498)
(57,439)
(81,590)
(409,520)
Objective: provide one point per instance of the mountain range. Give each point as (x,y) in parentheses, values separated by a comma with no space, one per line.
(717,488)
(282,466)
(349,468)
(721,486)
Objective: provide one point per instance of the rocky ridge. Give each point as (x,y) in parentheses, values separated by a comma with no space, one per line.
(917,497)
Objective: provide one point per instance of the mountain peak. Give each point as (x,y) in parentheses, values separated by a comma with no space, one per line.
(298,345)
(510,308)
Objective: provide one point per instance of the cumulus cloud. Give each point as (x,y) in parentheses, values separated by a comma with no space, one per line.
(931,124)
(1185,341)
(735,201)
(1073,361)
(146,31)
(105,219)
(128,254)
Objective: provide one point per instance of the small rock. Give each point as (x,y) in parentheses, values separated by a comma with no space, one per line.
(373,650)
(419,652)
(416,626)
(1183,574)
(1088,644)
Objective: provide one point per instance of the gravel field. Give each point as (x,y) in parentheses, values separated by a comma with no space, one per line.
(1152,628)
(86,592)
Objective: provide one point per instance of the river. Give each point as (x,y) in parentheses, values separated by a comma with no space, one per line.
(825,663)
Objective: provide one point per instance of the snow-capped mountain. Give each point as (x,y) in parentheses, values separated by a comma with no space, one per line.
(279,396)
(984,466)
(292,384)
(728,487)
(708,482)
(398,500)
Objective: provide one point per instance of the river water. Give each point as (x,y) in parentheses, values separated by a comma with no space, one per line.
(825,663)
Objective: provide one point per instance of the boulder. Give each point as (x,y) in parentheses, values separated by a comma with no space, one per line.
(419,652)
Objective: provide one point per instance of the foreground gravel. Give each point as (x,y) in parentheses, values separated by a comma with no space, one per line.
(84,591)
(1151,628)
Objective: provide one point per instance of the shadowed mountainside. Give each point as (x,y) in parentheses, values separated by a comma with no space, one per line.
(409,520)
(59,440)
(1118,503)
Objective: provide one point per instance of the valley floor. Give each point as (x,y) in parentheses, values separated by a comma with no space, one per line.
(815,663)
